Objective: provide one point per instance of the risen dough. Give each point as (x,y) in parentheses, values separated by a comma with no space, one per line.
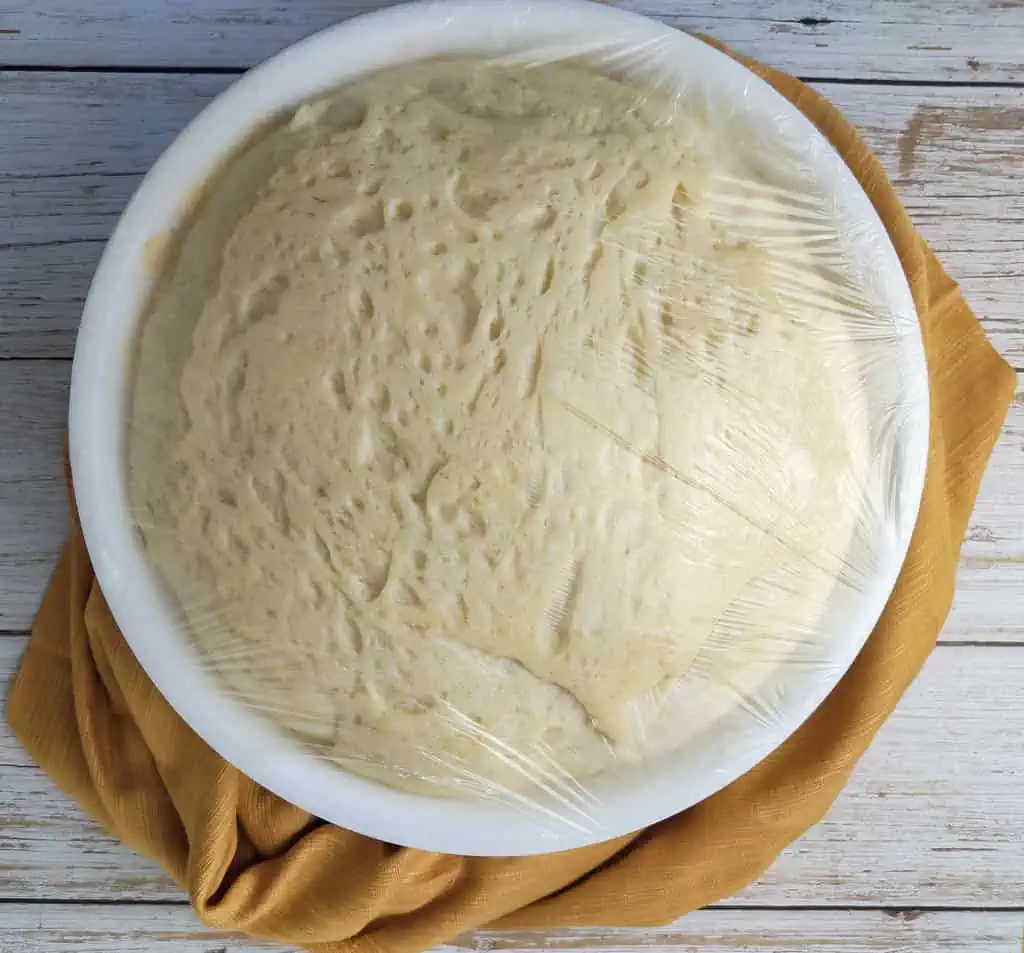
(468,427)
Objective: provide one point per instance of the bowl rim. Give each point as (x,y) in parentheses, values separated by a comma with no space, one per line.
(101,373)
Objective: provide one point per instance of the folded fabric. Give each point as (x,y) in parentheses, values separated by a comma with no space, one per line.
(88,714)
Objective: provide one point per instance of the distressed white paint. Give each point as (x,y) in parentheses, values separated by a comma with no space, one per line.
(963,40)
(67,928)
(33,498)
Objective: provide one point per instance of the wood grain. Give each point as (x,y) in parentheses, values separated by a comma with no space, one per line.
(942,781)
(67,928)
(33,499)
(968,41)
(781,931)
(957,158)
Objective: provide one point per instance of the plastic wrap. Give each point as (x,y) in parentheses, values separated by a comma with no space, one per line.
(504,425)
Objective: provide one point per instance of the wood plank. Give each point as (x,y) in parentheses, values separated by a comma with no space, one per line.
(717,930)
(932,817)
(33,396)
(59,204)
(33,500)
(51,851)
(66,928)
(957,158)
(782,931)
(61,124)
(967,41)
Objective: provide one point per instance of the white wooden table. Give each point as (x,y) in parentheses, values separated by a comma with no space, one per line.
(925,850)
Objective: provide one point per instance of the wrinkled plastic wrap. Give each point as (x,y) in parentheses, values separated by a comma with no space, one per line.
(502,425)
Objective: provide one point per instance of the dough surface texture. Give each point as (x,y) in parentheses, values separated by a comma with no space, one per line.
(473,436)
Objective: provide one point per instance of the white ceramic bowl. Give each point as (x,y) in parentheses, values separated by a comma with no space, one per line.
(98,413)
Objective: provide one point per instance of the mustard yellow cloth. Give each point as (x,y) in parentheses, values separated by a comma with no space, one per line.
(91,718)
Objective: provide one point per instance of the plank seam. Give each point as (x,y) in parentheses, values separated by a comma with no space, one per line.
(236,70)
(897,911)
